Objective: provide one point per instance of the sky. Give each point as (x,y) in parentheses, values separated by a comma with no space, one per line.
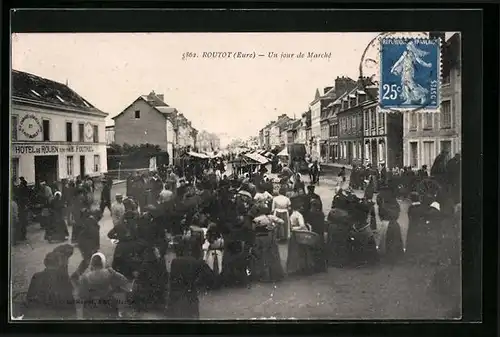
(231,97)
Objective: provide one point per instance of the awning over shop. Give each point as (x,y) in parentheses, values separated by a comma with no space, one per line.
(257,157)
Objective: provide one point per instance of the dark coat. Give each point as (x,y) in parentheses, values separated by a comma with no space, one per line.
(185,272)
(50,295)
(89,238)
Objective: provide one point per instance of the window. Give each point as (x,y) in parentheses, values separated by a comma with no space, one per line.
(367,120)
(360,121)
(373,118)
(446,78)
(137,114)
(15,168)
(345,105)
(69,166)
(69,131)
(428,121)
(354,122)
(14,121)
(446,147)
(429,153)
(413,121)
(81,135)
(96,133)
(96,163)
(414,154)
(446,114)
(46,130)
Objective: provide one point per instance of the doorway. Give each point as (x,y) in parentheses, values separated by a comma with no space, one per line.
(374,152)
(82,166)
(46,169)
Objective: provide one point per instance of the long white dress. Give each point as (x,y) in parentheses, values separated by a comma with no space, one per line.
(280,207)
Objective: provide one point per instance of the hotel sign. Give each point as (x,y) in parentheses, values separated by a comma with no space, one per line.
(50,149)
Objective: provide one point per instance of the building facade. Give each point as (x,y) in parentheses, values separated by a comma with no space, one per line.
(383,136)
(277,134)
(56,134)
(425,135)
(110,134)
(150,120)
(350,119)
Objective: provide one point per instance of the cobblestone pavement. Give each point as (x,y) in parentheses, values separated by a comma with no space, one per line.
(398,291)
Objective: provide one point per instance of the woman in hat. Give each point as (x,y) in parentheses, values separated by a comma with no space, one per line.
(50,294)
(300,258)
(57,230)
(280,208)
(266,262)
(185,274)
(388,211)
(153,276)
(124,234)
(316,220)
(88,239)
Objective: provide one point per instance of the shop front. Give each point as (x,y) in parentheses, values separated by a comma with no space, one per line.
(52,162)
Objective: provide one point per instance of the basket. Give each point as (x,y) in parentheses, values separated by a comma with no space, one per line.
(307,238)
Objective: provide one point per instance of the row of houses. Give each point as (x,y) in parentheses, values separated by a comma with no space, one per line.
(344,127)
(148,119)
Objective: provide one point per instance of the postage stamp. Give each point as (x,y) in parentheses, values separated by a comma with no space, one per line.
(410,74)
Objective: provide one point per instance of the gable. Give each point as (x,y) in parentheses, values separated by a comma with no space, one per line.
(147,113)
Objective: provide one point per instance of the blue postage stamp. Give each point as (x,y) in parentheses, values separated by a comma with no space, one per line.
(410,74)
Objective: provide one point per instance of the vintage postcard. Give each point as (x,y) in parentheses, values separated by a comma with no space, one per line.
(222,176)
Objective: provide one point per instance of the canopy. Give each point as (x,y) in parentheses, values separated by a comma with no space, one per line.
(283,153)
(257,157)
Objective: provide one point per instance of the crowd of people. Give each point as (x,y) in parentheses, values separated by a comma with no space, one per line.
(223,230)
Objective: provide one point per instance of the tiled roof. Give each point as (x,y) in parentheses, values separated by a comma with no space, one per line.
(45,91)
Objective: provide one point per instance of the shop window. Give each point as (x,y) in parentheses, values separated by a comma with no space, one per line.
(69,166)
(46,130)
(96,163)
(96,133)
(69,131)
(446,115)
(137,114)
(15,122)
(81,132)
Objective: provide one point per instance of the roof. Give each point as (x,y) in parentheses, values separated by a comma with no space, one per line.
(152,103)
(197,155)
(165,109)
(36,89)
(154,100)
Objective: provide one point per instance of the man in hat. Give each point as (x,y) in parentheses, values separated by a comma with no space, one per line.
(106,195)
(308,198)
(117,210)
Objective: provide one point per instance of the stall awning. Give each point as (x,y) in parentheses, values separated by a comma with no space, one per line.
(257,157)
(283,153)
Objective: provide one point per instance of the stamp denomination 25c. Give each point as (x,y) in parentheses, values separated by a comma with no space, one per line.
(410,77)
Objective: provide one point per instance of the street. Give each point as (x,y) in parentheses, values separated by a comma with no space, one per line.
(398,291)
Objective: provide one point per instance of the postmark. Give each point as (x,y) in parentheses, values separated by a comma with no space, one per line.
(409,74)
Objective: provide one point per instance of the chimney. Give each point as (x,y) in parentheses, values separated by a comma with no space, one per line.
(342,85)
